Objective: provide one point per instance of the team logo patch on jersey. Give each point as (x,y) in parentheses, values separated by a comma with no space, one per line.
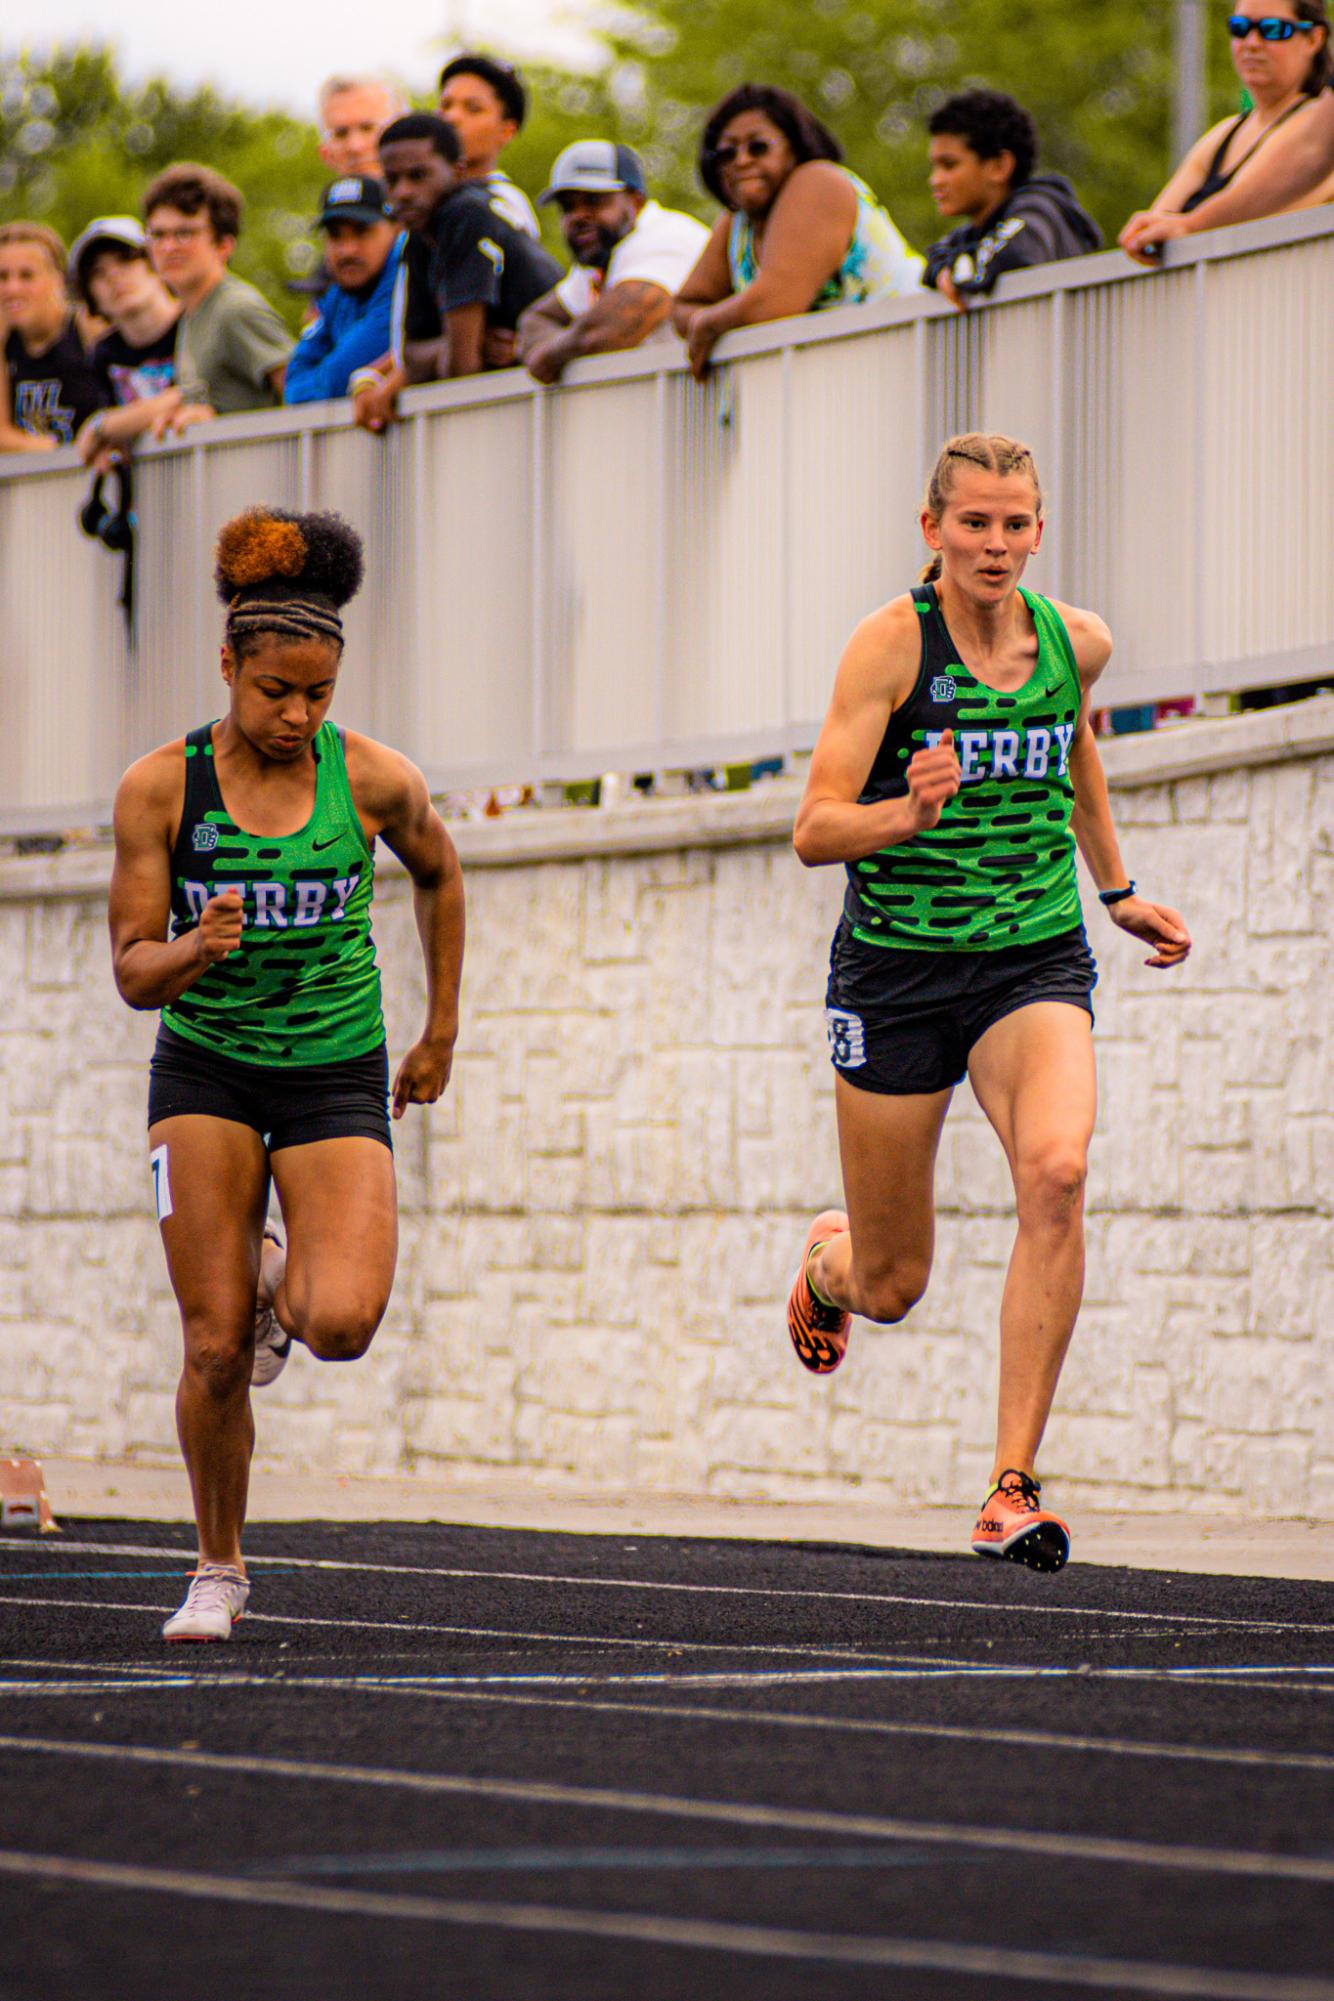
(943,688)
(847,1038)
(205,838)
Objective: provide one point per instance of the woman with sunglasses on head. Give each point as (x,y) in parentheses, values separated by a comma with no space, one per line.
(1284,60)
(801,232)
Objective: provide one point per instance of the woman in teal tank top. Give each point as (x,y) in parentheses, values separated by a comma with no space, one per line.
(800,233)
(241,908)
(953,778)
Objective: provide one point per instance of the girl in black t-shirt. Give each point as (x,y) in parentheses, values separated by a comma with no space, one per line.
(49,388)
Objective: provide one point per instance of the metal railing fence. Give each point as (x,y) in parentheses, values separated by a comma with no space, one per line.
(638,571)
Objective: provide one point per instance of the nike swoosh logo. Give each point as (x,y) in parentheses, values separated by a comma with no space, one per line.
(318,847)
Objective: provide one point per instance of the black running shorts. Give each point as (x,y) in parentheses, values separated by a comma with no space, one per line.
(903,1022)
(344,1100)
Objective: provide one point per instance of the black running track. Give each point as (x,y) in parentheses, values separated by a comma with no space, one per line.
(448,1762)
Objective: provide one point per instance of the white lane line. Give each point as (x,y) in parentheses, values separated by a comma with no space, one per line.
(428,1683)
(806,1820)
(1169,1618)
(1068,1970)
(1028,1740)
(1249,1677)
(707,1713)
(489,1632)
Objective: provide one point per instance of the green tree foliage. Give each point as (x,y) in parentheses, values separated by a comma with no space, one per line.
(75,142)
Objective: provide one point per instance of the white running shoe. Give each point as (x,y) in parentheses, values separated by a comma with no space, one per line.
(272,1344)
(213,1604)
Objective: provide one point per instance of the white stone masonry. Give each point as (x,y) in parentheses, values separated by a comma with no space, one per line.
(601,1220)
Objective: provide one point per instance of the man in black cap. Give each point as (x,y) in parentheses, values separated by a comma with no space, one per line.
(632,256)
(351,327)
(467,271)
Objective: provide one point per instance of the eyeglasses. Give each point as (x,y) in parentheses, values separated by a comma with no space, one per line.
(753,149)
(176,235)
(1269,27)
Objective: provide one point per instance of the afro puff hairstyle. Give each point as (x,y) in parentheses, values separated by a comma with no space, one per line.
(271,552)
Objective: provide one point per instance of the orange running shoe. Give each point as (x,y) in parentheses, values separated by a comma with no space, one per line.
(1014,1523)
(819,1332)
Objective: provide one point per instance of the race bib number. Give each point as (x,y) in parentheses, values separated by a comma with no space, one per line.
(157,1161)
(847,1038)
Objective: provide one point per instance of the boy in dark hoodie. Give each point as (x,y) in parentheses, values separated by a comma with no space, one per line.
(983,151)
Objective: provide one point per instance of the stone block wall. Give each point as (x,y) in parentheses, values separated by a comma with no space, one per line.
(600,1221)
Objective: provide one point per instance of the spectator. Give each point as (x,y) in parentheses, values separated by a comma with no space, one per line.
(231,347)
(48,387)
(354,111)
(351,326)
(802,232)
(485,101)
(465,269)
(631,256)
(135,362)
(983,151)
(1284,60)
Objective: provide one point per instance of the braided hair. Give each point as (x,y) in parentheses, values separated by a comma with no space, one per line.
(285,573)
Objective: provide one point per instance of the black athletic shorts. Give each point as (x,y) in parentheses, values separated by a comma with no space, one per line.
(903,1022)
(285,1107)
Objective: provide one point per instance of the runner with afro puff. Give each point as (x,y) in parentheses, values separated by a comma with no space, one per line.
(240,907)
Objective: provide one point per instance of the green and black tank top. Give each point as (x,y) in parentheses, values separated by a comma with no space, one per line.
(999,867)
(303,987)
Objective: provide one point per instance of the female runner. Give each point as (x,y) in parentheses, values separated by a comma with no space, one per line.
(954,774)
(252,841)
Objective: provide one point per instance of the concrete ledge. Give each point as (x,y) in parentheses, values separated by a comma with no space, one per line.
(1193,749)
(1214,1547)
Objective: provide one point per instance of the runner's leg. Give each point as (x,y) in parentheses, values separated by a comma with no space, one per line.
(340,1211)
(879,1266)
(1033,1073)
(217,1174)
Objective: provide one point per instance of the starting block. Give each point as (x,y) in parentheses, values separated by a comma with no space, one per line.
(23,1501)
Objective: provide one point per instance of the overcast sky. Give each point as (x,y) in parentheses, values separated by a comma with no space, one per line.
(276,51)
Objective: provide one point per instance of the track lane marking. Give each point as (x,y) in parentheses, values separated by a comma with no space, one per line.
(1168,1618)
(806,1820)
(428,1682)
(486,1632)
(1182,1983)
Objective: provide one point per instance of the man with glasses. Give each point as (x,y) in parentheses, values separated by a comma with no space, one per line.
(232,349)
(1283,58)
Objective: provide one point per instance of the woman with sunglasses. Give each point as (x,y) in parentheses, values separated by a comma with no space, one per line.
(801,232)
(1284,61)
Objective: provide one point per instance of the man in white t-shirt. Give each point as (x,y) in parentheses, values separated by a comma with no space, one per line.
(632,257)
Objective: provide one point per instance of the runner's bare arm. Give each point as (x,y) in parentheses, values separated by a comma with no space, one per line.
(876,674)
(150,970)
(1091,821)
(394,802)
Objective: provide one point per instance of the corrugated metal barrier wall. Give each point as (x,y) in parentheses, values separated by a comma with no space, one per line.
(637,571)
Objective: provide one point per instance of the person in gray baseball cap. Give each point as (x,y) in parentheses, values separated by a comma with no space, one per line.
(364,248)
(631,256)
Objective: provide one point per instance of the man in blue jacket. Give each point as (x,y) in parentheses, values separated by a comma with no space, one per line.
(351,326)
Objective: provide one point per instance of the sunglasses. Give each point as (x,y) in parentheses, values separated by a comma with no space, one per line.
(752,149)
(1268,27)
